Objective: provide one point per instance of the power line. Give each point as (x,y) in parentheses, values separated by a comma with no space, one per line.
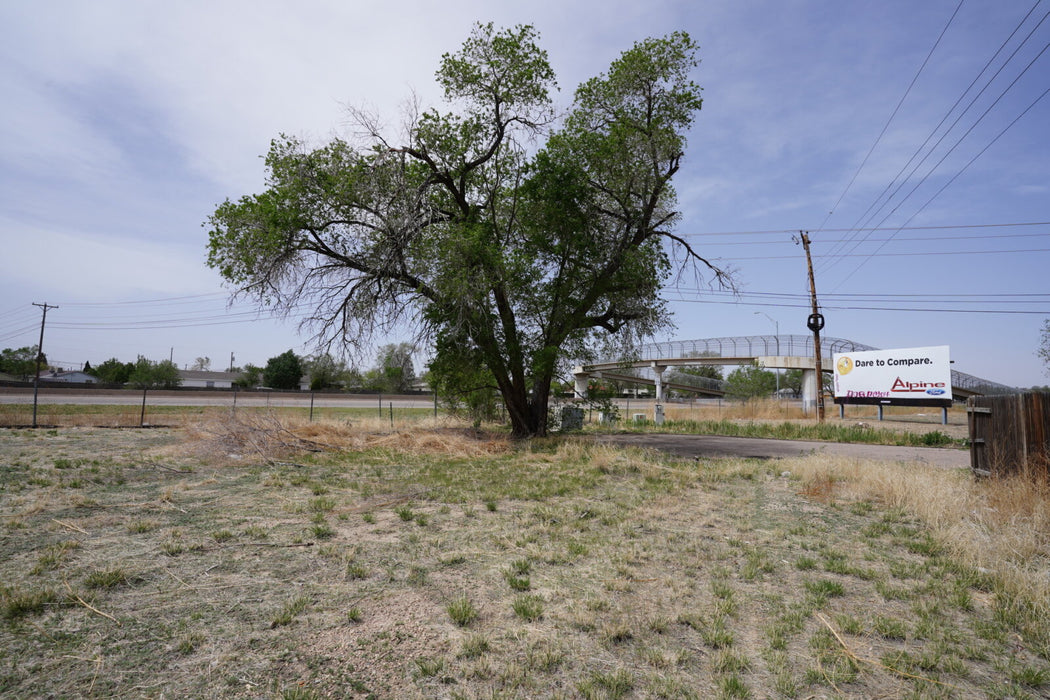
(964,169)
(802,305)
(948,114)
(878,254)
(790,231)
(893,114)
(911,239)
(958,141)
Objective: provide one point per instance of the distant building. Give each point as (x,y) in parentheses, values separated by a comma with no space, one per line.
(72,377)
(199,379)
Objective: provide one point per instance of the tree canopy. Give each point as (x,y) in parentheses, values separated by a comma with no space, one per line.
(147,374)
(283,371)
(750,381)
(507,236)
(20,362)
(113,371)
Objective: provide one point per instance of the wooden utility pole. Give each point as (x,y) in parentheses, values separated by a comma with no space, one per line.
(39,356)
(815,324)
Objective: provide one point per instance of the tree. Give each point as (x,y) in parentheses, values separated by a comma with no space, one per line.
(1044,345)
(792,380)
(147,374)
(750,381)
(325,371)
(251,377)
(396,368)
(518,255)
(283,372)
(22,362)
(113,371)
(201,364)
(461,380)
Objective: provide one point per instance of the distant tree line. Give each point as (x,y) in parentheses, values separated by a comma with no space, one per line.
(394,372)
(20,363)
(143,373)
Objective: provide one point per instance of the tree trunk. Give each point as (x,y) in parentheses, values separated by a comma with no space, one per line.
(527,412)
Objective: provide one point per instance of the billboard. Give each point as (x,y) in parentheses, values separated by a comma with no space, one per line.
(907,377)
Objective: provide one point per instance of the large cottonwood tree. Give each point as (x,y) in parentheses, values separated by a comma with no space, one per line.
(511,237)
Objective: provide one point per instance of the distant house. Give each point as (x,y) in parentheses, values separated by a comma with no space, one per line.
(72,377)
(198,379)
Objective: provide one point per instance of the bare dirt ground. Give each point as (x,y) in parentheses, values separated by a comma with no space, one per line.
(314,561)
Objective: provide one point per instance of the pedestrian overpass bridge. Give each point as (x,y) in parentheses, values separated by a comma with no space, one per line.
(768,351)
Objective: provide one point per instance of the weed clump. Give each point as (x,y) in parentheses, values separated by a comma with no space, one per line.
(462,611)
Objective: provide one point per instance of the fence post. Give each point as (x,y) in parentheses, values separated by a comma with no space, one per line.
(142,416)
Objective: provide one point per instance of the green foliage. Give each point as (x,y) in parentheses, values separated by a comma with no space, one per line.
(251,377)
(462,381)
(514,257)
(283,371)
(462,611)
(750,381)
(326,372)
(113,371)
(146,374)
(395,373)
(528,607)
(21,363)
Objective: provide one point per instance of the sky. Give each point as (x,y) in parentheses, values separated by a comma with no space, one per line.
(126,123)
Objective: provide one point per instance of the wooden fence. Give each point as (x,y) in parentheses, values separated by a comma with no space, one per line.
(1010,434)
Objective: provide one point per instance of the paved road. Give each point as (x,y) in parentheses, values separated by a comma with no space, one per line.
(699,446)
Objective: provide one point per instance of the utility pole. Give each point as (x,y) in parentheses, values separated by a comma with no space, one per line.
(231,360)
(39,356)
(815,323)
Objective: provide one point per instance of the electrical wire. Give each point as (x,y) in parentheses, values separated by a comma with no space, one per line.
(958,141)
(893,114)
(858,224)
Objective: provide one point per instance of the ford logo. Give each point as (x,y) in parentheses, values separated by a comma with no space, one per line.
(935,392)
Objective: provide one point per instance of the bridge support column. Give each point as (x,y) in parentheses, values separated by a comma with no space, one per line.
(580,382)
(809,391)
(659,371)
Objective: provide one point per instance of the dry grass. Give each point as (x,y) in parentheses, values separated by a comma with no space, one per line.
(1001,526)
(188,563)
(267,436)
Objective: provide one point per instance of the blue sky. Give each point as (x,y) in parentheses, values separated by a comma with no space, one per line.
(126,123)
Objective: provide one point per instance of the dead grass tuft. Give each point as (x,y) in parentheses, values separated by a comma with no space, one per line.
(268,437)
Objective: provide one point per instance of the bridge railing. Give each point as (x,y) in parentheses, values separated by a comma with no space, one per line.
(748,346)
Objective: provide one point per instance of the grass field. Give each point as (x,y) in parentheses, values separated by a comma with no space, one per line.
(259,556)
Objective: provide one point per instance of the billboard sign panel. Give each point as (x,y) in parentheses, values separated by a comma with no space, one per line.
(909,376)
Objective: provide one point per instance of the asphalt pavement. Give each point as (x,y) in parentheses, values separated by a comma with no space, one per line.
(713,446)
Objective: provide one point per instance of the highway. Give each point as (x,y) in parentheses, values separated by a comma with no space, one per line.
(132,397)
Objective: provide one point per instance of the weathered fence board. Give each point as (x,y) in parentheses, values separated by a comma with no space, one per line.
(1010,434)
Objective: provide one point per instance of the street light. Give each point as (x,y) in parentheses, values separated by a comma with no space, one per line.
(776,325)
